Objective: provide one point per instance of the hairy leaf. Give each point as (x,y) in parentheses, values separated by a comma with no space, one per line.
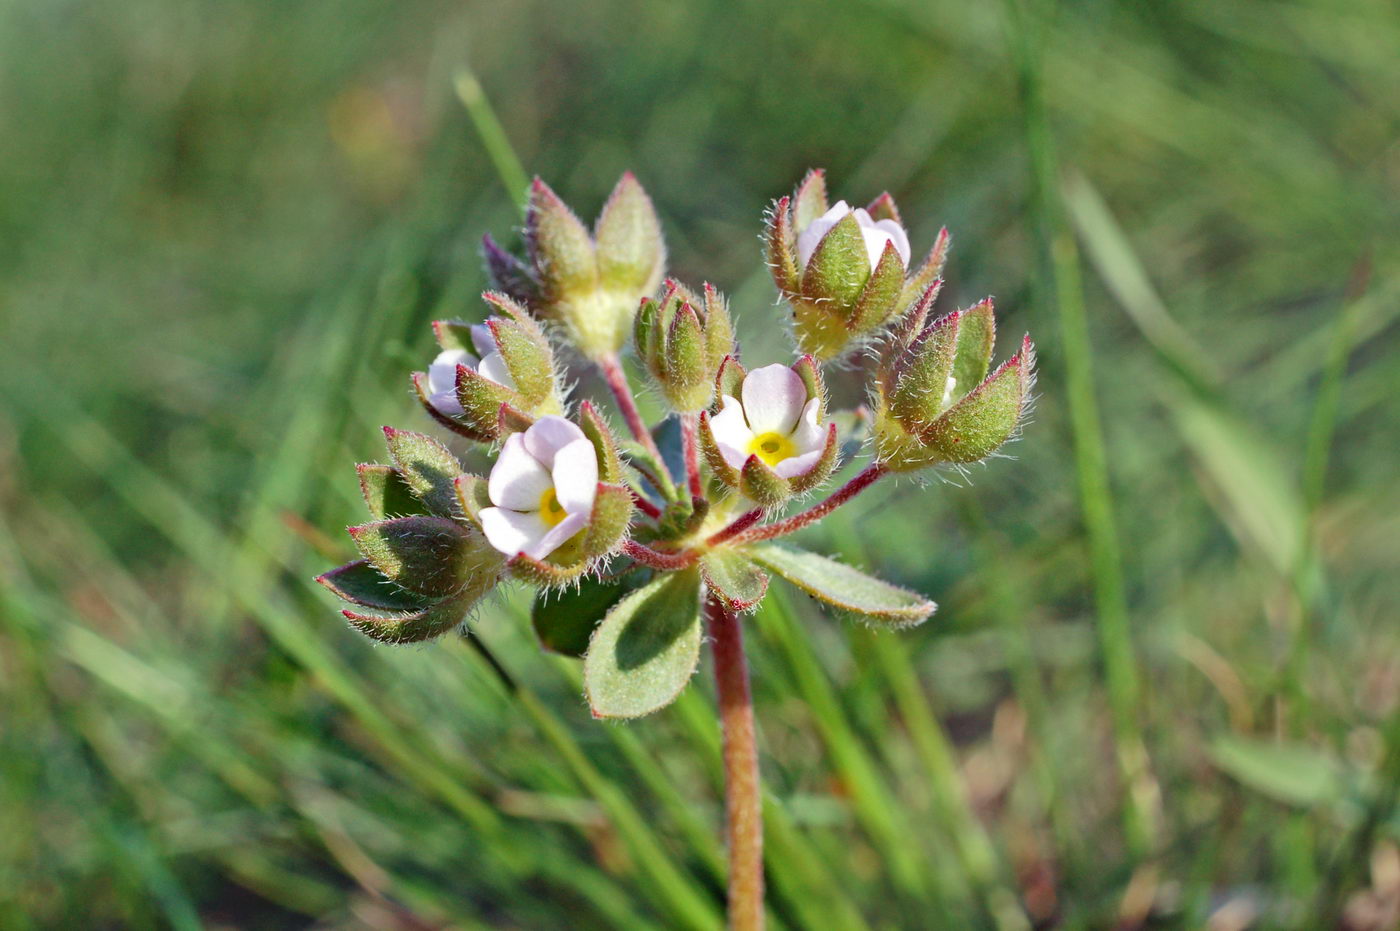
(847,589)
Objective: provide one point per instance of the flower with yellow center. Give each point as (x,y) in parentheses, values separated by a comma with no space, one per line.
(775,421)
(542,488)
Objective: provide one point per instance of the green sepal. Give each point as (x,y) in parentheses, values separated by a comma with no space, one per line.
(420,388)
(839,268)
(730,379)
(529,360)
(427,467)
(719,329)
(987,417)
(807,369)
(431,556)
(977,330)
(613,508)
(560,246)
(686,378)
(509,420)
(564,620)
(848,590)
(417,626)
(822,469)
(879,301)
(651,468)
(630,248)
(472,496)
(760,484)
(921,373)
(481,400)
(782,257)
(360,583)
(454,334)
(596,429)
(646,330)
(809,201)
(646,649)
(883,208)
(909,327)
(720,466)
(929,272)
(544,574)
(733,579)
(385,492)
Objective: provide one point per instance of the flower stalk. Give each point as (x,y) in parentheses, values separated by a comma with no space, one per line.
(743,804)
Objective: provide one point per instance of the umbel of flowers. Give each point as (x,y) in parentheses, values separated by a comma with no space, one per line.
(632,551)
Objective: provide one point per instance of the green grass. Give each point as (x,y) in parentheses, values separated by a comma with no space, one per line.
(1162,678)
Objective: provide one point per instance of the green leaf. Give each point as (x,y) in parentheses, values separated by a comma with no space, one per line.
(847,589)
(428,468)
(1293,774)
(360,583)
(565,620)
(432,556)
(386,493)
(646,649)
(733,579)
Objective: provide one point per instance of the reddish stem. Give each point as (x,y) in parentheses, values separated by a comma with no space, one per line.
(611,367)
(742,802)
(656,559)
(644,504)
(742,522)
(863,480)
(692,453)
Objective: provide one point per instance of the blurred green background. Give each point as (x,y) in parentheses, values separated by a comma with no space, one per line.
(1161,688)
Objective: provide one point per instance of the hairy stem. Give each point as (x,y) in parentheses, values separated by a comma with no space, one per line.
(692,453)
(741,523)
(862,480)
(742,801)
(655,559)
(611,367)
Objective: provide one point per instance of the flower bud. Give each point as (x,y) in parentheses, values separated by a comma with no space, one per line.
(682,340)
(587,283)
(935,402)
(843,270)
(512,382)
(770,439)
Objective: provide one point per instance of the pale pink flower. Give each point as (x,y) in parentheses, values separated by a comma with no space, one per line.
(442,374)
(775,421)
(876,233)
(542,486)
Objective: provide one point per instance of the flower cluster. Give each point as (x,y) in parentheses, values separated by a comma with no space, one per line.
(627,536)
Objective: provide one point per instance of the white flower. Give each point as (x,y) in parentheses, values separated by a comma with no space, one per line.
(442,374)
(542,487)
(876,233)
(776,422)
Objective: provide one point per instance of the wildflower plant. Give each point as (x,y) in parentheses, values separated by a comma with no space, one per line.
(632,563)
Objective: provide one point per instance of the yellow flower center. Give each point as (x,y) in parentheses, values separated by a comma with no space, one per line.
(551,511)
(771,447)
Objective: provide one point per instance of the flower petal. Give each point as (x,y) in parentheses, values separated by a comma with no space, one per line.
(576,477)
(898,236)
(793,466)
(514,532)
(493,367)
(482,339)
(517,479)
(731,432)
(442,374)
(446,403)
(809,434)
(548,435)
(808,239)
(773,399)
(874,244)
(557,536)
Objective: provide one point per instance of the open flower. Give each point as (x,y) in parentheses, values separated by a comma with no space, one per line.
(776,422)
(769,440)
(442,374)
(542,488)
(876,233)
